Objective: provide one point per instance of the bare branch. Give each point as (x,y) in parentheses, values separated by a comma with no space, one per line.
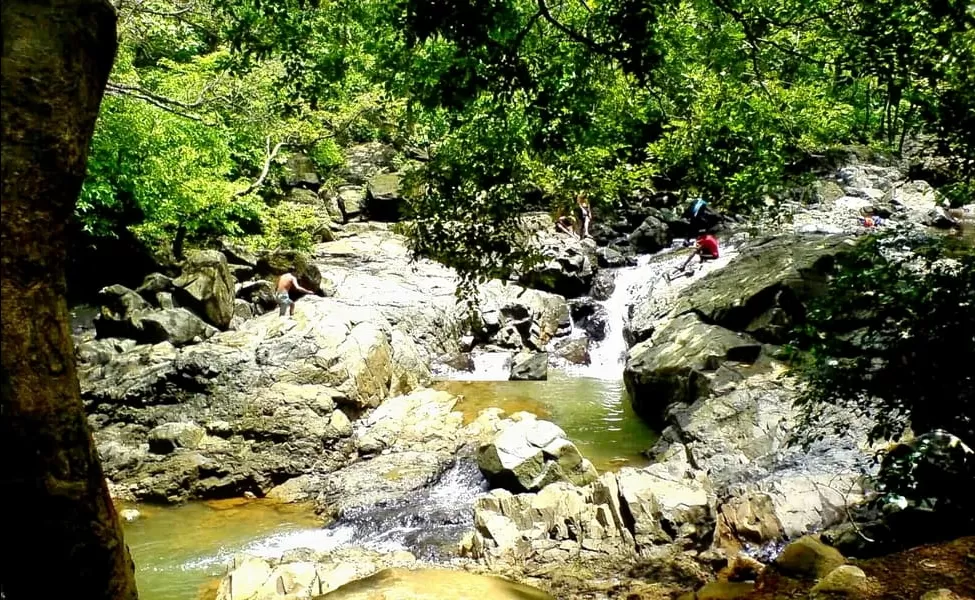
(267,166)
(156,101)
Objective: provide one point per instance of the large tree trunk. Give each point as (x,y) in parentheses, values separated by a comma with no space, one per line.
(60,519)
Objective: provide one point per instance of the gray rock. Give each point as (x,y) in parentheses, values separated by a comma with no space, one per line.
(762,291)
(259,293)
(670,367)
(177,326)
(384,201)
(119,306)
(153,284)
(609,257)
(529,454)
(170,436)
(529,366)
(352,201)
(299,172)
(603,285)
(590,317)
(568,263)
(206,287)
(366,160)
(575,351)
(652,235)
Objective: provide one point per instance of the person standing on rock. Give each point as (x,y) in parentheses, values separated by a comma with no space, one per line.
(585,215)
(286,283)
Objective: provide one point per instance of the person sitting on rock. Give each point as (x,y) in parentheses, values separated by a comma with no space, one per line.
(585,214)
(565,223)
(286,283)
(706,247)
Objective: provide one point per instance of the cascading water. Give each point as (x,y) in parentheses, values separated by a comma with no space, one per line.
(606,357)
(428,523)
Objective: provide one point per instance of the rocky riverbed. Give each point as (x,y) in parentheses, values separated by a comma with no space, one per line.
(193,393)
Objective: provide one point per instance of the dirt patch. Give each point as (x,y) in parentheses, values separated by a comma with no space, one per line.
(903,575)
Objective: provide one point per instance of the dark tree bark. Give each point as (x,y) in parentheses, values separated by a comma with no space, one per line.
(58,515)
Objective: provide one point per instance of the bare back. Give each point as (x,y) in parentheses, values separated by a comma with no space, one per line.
(286,282)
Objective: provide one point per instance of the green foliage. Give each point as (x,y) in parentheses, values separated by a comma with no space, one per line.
(894,337)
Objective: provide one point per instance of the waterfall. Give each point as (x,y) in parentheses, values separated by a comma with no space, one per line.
(606,356)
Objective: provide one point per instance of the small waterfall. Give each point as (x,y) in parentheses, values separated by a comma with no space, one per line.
(606,356)
(429,523)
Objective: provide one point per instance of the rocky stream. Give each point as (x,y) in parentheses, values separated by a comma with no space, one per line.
(594,429)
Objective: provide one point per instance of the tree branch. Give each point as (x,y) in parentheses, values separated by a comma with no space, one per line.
(267,166)
(156,101)
(571,33)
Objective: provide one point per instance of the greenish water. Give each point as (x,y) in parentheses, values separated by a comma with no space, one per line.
(594,413)
(179,551)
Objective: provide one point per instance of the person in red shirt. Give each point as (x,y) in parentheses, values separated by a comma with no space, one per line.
(706,247)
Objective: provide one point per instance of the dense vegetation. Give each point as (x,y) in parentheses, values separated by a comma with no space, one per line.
(518,103)
(894,339)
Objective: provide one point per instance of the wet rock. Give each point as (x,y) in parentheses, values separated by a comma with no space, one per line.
(384,202)
(170,436)
(845,581)
(515,317)
(724,590)
(529,454)
(296,489)
(609,257)
(575,351)
(129,514)
(206,287)
(652,235)
(383,479)
(671,366)
(808,558)
(529,366)
(590,316)
(603,285)
(422,420)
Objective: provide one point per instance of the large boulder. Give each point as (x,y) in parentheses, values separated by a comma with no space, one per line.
(300,172)
(206,287)
(516,317)
(384,199)
(177,326)
(652,235)
(671,367)
(529,366)
(351,200)
(529,454)
(764,290)
(574,351)
(590,317)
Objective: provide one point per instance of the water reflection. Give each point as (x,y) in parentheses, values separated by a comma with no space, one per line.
(595,413)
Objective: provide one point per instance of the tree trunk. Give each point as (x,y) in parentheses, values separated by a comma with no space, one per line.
(63,535)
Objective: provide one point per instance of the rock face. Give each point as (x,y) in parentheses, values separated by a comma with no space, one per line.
(384,201)
(698,372)
(206,287)
(651,236)
(568,265)
(124,314)
(270,392)
(670,367)
(625,514)
(529,454)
